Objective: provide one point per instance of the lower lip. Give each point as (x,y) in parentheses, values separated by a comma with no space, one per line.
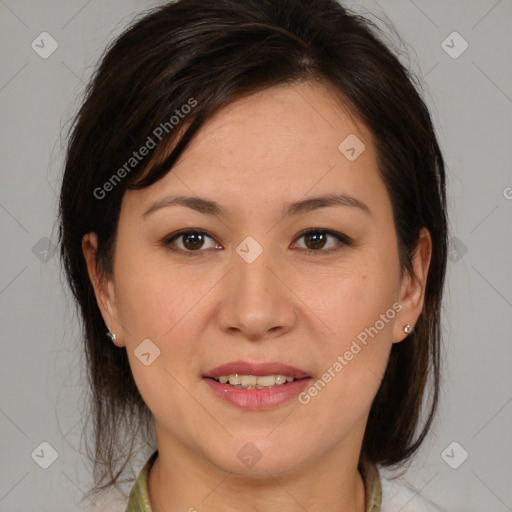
(257,399)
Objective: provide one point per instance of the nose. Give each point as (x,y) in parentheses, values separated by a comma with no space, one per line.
(256,302)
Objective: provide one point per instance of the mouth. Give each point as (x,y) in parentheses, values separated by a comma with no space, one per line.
(254,381)
(245,373)
(256,386)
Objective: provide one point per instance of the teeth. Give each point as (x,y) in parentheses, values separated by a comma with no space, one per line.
(253,381)
(234,380)
(246,380)
(264,380)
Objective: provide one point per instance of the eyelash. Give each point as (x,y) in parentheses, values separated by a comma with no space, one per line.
(342,239)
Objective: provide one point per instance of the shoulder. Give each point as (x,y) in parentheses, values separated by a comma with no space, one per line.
(129,495)
(400,495)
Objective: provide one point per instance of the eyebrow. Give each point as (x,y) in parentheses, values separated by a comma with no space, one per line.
(209,207)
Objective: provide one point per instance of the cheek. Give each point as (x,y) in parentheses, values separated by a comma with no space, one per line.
(155,299)
(355,301)
(165,305)
(360,312)
(158,304)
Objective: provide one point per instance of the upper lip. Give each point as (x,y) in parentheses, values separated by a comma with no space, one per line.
(258,369)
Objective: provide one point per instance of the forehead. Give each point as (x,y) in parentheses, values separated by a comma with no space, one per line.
(278,127)
(276,145)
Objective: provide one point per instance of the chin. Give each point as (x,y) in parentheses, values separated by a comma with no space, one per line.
(259,458)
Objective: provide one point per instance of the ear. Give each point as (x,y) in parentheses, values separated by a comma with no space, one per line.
(103,288)
(412,288)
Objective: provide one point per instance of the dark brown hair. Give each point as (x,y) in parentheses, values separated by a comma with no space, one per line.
(210,54)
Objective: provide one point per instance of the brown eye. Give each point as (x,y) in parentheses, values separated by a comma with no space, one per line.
(193,241)
(188,242)
(316,240)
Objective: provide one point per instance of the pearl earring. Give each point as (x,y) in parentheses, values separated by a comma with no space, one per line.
(111,335)
(408,328)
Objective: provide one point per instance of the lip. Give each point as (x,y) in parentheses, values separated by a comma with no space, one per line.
(258,369)
(257,399)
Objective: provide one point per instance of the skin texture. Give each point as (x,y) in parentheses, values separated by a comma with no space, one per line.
(254,157)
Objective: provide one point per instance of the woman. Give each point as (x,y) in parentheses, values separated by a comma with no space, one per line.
(253,211)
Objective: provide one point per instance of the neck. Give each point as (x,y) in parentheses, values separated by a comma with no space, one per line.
(181,481)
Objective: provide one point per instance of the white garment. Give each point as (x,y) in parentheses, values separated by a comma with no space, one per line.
(398,495)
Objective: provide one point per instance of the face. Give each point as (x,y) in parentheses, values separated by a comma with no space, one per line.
(266,276)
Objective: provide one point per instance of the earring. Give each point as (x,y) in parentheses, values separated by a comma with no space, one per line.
(408,328)
(111,335)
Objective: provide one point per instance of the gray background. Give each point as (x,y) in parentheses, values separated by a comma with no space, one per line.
(41,378)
